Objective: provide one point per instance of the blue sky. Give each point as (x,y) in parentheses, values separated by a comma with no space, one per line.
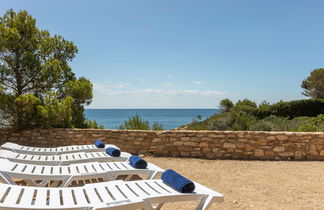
(184,53)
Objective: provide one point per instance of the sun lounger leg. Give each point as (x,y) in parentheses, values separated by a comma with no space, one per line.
(6,179)
(152,175)
(66,181)
(128,177)
(159,206)
(148,205)
(30,182)
(204,203)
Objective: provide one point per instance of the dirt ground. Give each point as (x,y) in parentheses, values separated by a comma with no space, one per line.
(253,184)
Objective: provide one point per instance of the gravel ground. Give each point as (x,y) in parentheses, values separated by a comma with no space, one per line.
(253,184)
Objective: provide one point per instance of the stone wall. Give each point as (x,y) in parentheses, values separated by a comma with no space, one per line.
(201,144)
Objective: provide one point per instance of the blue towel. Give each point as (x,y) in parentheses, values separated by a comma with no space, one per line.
(99,144)
(137,162)
(112,151)
(178,182)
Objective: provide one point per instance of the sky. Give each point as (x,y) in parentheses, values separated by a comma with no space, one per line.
(186,53)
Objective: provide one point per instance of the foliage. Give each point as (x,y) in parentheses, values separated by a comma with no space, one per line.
(93,124)
(264,104)
(242,121)
(246,102)
(301,115)
(222,122)
(313,85)
(314,124)
(25,107)
(292,109)
(225,105)
(137,123)
(37,86)
(55,113)
(157,127)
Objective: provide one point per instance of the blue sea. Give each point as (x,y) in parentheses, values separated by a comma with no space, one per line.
(169,118)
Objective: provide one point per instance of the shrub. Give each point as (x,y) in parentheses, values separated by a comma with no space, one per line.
(313,124)
(262,126)
(157,127)
(93,124)
(222,122)
(242,121)
(198,126)
(135,123)
(292,109)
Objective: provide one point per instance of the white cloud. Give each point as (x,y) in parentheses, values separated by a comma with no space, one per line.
(170,76)
(107,85)
(142,80)
(99,87)
(197,82)
(166,84)
(165,92)
(115,96)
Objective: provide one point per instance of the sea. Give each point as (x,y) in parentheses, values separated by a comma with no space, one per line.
(169,118)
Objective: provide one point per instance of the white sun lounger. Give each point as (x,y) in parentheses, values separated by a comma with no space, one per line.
(53,150)
(38,175)
(118,194)
(64,159)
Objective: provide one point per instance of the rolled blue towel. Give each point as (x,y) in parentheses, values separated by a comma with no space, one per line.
(177,181)
(99,144)
(112,151)
(137,162)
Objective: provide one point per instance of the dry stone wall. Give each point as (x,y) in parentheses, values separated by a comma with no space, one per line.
(200,144)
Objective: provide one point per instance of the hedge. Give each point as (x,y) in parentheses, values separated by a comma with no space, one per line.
(292,109)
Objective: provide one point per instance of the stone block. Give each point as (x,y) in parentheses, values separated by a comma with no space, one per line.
(271,138)
(157,140)
(203,144)
(322,153)
(279,149)
(177,143)
(229,145)
(282,137)
(259,153)
(185,138)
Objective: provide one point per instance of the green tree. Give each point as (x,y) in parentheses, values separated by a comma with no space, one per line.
(313,85)
(246,102)
(225,105)
(34,66)
(264,104)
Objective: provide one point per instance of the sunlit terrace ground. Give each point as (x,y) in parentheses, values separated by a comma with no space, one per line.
(253,184)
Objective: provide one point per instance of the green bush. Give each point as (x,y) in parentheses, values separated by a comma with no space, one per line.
(242,121)
(93,124)
(299,115)
(292,109)
(222,122)
(313,124)
(198,126)
(157,127)
(137,123)
(262,126)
